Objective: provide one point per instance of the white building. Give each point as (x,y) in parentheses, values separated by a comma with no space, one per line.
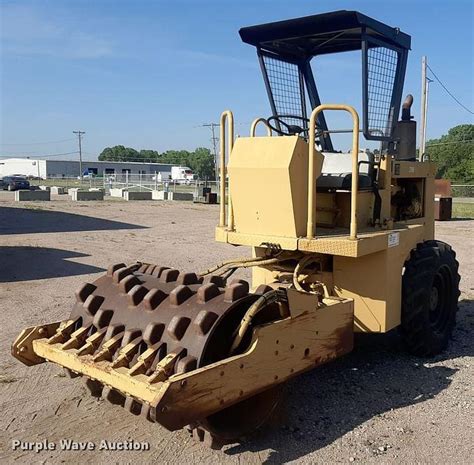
(69,168)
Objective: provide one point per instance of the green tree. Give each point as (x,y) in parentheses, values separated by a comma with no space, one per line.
(175,157)
(202,163)
(454,154)
(149,156)
(118,153)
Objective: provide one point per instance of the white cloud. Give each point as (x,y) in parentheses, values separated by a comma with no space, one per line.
(27,30)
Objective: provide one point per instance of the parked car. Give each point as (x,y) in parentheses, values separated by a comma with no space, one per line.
(14,183)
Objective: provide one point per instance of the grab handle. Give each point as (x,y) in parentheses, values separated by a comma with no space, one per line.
(254,125)
(228,117)
(312,176)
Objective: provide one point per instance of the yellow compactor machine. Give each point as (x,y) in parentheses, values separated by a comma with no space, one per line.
(341,241)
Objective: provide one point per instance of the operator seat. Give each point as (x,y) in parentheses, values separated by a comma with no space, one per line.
(336,173)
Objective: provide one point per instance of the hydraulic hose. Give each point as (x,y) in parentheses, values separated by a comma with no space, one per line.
(228,262)
(241,263)
(266,262)
(266,299)
(300,267)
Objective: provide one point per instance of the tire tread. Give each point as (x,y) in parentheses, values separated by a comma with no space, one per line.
(418,336)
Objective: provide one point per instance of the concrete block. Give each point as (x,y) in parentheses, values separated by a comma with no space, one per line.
(87,195)
(159,195)
(210,198)
(114,192)
(96,189)
(181,196)
(72,189)
(21,196)
(44,188)
(129,195)
(58,190)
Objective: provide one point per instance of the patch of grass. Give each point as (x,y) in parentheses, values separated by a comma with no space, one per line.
(67,182)
(463,210)
(30,206)
(6,379)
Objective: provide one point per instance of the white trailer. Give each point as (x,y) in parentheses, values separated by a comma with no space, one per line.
(182,174)
(24,167)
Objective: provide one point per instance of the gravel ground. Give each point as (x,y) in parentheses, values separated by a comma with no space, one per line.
(376,405)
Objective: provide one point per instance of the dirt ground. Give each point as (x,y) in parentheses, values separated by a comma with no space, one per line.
(376,405)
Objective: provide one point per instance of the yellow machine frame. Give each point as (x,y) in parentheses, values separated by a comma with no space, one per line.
(366,258)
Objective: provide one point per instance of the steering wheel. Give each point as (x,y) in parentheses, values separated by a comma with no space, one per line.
(286,129)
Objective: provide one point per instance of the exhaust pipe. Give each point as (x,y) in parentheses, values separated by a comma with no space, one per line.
(405,133)
(406,108)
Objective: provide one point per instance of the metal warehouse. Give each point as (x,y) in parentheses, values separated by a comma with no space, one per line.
(70,168)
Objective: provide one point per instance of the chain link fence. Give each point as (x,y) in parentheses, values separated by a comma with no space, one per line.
(69,182)
(463,190)
(150,182)
(131,182)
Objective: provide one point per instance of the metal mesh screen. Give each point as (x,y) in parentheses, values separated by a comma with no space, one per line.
(287,88)
(381,71)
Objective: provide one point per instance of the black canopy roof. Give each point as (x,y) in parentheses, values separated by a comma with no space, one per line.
(338,31)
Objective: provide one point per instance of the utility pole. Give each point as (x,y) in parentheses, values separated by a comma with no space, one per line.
(425,87)
(214,140)
(425,124)
(79,135)
(424,107)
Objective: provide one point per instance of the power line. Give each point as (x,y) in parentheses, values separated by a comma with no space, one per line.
(41,143)
(449,93)
(23,152)
(467,141)
(42,156)
(61,154)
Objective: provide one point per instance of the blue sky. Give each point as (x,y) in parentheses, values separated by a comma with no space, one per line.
(147,73)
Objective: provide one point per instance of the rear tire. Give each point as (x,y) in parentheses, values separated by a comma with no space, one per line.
(430,292)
